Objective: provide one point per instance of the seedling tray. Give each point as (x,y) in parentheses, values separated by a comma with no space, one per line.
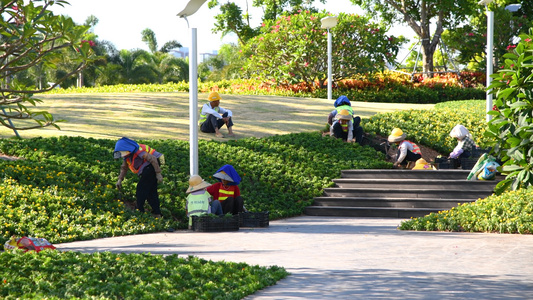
(253,219)
(215,224)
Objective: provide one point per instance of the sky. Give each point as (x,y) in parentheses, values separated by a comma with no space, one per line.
(122,21)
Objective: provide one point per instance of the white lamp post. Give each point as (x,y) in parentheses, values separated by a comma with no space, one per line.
(191,8)
(490,50)
(328,23)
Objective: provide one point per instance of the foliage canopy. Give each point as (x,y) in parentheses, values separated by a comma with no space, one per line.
(32,37)
(293,48)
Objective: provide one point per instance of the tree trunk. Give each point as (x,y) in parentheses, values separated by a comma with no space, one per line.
(428,51)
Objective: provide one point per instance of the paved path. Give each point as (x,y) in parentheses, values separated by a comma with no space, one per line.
(356,258)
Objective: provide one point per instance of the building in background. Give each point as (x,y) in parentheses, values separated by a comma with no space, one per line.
(183,52)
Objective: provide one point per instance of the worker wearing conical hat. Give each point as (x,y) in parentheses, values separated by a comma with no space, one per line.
(227,190)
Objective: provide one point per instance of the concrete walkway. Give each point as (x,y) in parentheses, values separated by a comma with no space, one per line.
(356,258)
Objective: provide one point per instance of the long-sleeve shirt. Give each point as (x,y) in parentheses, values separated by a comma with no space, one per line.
(405,146)
(141,161)
(466,144)
(208,110)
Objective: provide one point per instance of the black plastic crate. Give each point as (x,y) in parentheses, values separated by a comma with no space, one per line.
(254,219)
(444,165)
(468,163)
(215,223)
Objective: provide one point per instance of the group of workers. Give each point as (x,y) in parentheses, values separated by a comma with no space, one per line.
(220,198)
(410,152)
(224,196)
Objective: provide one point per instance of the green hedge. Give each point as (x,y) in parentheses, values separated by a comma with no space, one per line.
(392,93)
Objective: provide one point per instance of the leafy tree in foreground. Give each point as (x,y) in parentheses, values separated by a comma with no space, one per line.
(294,48)
(470,40)
(512,123)
(419,15)
(31,35)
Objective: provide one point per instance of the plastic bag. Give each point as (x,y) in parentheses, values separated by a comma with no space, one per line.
(488,171)
(28,244)
(478,167)
(11,244)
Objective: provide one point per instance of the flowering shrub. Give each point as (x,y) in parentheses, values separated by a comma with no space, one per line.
(386,87)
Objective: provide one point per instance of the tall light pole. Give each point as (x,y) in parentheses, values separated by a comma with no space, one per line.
(328,23)
(490,51)
(191,8)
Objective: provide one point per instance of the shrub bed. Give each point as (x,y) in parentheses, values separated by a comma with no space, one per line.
(511,212)
(74,275)
(64,188)
(432,128)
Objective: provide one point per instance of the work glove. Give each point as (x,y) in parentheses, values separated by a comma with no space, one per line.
(119,184)
(159,177)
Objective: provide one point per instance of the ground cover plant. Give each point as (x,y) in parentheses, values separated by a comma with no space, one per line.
(510,212)
(432,128)
(64,188)
(53,274)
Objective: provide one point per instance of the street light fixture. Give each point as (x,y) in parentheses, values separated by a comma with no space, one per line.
(513,7)
(328,23)
(490,42)
(191,8)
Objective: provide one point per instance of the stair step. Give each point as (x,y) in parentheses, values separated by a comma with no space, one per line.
(375,212)
(398,193)
(405,174)
(457,184)
(405,193)
(443,204)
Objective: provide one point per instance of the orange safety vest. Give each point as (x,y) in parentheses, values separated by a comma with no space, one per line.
(225,194)
(416,149)
(130,159)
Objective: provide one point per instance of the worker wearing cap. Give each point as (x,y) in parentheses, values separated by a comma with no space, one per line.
(227,190)
(145,162)
(213,117)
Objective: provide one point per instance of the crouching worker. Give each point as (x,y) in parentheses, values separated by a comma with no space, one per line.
(145,162)
(199,201)
(343,127)
(464,142)
(342,103)
(407,150)
(227,190)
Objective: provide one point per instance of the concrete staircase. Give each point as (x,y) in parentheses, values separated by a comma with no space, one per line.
(398,193)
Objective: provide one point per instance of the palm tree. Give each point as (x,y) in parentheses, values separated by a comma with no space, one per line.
(136,67)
